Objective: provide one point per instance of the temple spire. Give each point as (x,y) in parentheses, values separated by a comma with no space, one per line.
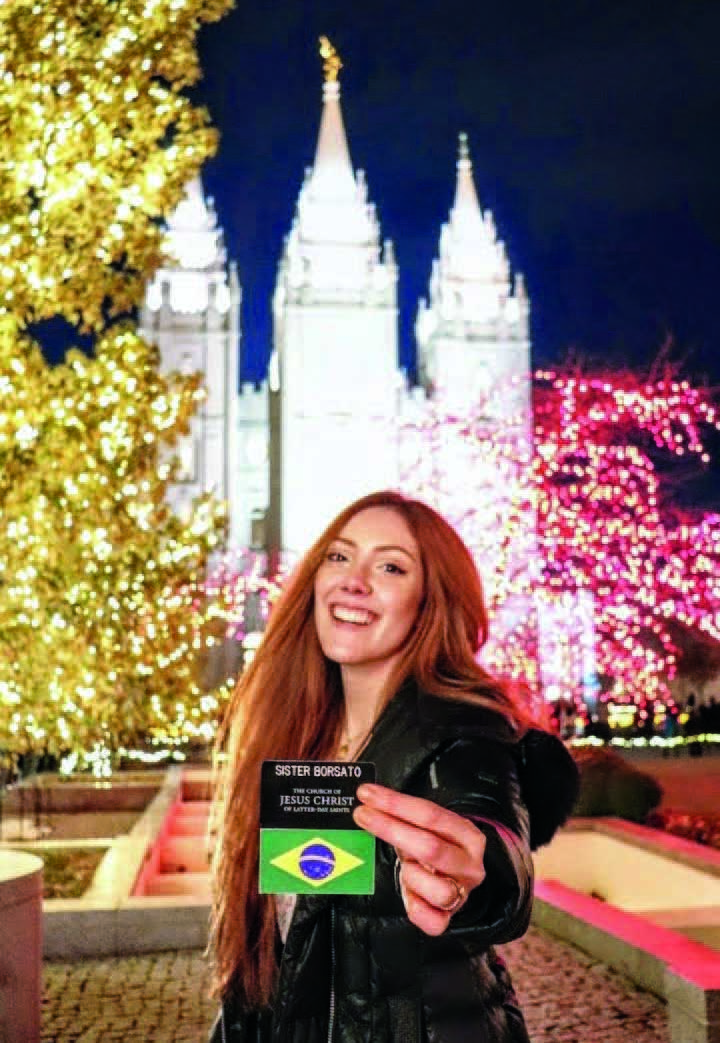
(193,239)
(471,296)
(466,206)
(332,172)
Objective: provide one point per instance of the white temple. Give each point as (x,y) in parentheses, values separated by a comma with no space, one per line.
(323,428)
(335,417)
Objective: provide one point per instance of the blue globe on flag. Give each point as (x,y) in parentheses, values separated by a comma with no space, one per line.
(316,861)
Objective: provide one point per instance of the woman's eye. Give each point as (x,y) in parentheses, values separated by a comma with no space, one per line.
(336,555)
(393,569)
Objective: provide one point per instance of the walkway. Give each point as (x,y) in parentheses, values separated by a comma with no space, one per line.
(567,998)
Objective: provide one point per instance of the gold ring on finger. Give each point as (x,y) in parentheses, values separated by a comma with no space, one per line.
(458,900)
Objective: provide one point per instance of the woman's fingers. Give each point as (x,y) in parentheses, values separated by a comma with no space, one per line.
(418,843)
(427,917)
(424,814)
(440,839)
(416,810)
(441,892)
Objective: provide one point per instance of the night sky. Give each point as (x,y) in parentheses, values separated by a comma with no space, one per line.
(594,134)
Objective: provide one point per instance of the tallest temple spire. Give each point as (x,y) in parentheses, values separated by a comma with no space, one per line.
(335,359)
(334,243)
(332,172)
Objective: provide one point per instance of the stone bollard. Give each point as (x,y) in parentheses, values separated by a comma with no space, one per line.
(20,947)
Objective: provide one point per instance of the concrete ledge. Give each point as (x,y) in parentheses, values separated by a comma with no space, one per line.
(190,885)
(198,784)
(631,867)
(701,923)
(78,793)
(155,827)
(108,920)
(77,929)
(677,849)
(693,1008)
(183,854)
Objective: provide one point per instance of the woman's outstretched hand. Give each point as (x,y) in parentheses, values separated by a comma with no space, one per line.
(441,853)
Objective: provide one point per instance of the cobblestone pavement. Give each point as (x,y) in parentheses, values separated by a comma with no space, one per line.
(161,998)
(567,998)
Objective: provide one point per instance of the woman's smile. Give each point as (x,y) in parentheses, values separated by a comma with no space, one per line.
(354,616)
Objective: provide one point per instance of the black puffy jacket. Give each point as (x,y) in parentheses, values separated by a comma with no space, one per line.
(354,969)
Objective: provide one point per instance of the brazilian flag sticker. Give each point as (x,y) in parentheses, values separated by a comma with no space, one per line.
(303,861)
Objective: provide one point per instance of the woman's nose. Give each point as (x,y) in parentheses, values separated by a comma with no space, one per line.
(357,582)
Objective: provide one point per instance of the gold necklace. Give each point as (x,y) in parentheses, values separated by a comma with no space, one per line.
(348,742)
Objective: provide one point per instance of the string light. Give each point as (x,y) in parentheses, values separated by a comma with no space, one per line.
(607,522)
(588,517)
(240,592)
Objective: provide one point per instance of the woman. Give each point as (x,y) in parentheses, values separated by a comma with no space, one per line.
(371,652)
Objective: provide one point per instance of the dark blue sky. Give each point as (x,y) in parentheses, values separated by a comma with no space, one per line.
(593,130)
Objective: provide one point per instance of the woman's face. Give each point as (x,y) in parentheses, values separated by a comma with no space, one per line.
(368,590)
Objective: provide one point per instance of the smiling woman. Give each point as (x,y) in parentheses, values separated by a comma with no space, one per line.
(368,592)
(372,652)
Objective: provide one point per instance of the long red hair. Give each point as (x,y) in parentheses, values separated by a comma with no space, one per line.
(289,704)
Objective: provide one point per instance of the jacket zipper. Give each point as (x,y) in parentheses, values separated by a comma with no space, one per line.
(331,1013)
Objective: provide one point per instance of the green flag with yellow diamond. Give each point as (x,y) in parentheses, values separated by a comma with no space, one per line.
(301,861)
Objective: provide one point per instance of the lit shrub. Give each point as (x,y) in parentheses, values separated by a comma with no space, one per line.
(611,786)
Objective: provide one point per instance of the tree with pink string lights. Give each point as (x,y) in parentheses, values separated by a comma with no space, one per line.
(606,449)
(594,508)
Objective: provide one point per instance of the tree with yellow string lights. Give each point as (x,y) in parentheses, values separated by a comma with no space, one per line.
(99,141)
(102,615)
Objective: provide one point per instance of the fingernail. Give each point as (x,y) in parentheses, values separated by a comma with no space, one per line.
(367,791)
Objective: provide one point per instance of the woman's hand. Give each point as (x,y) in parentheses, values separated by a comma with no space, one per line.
(441,853)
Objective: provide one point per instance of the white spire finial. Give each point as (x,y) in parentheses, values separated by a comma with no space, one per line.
(466,200)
